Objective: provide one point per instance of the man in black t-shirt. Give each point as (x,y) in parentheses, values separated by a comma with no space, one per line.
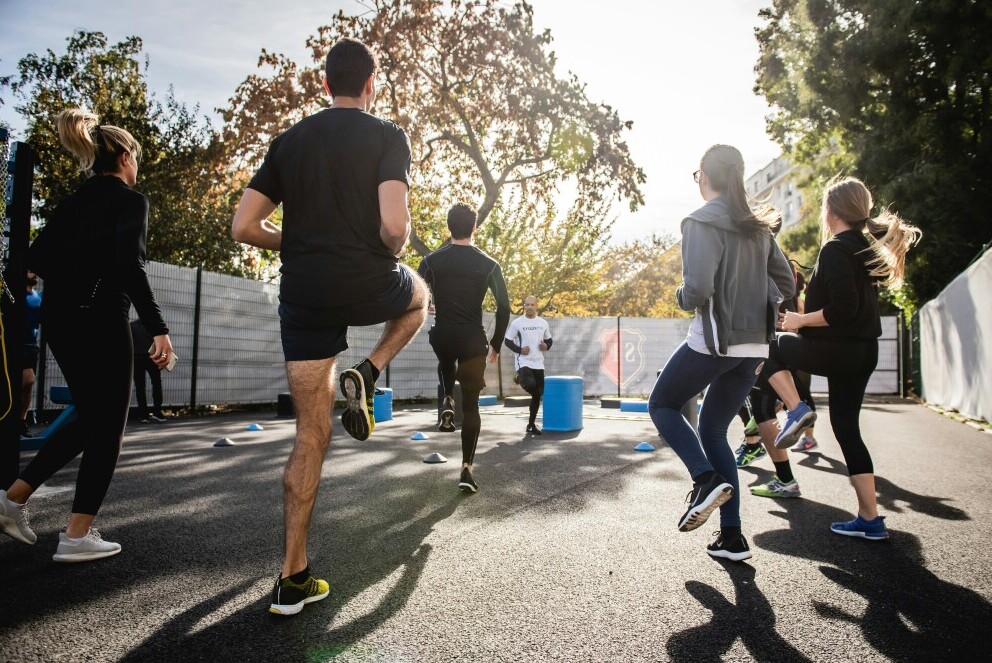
(342,176)
(459,274)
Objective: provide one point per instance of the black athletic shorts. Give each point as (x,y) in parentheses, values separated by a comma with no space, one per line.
(31,357)
(322,333)
(465,345)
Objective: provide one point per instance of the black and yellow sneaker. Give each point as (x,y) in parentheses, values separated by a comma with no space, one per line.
(289,597)
(358,388)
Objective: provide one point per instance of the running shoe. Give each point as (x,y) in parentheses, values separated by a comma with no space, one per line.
(358,388)
(447,424)
(873,530)
(14,520)
(806,444)
(703,499)
(157,418)
(747,454)
(467,482)
(533,429)
(798,420)
(751,429)
(288,597)
(734,548)
(777,488)
(85,548)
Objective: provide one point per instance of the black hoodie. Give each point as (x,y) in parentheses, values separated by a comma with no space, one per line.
(843,288)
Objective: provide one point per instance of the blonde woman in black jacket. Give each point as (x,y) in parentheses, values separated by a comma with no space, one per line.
(837,336)
(92,257)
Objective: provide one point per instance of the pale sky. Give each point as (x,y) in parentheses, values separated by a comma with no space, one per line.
(682,71)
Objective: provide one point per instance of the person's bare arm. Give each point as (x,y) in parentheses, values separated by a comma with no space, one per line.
(251,224)
(395,213)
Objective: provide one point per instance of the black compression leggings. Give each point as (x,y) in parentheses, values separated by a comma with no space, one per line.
(470,374)
(93,349)
(536,393)
(847,365)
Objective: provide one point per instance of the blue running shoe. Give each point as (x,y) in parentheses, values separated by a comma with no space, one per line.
(873,530)
(798,420)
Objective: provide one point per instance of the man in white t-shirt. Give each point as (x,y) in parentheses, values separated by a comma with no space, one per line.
(529,337)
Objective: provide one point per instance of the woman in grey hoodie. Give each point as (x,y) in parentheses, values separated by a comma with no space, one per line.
(734,276)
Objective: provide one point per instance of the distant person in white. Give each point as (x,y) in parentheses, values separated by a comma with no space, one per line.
(529,337)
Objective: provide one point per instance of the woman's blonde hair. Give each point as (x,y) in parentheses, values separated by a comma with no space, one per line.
(890,237)
(96,148)
(724,166)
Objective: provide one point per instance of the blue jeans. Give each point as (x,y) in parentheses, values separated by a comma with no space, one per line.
(730,379)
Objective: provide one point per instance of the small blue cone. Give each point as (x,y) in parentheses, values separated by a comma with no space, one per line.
(435,458)
(224,442)
(644,446)
(418,436)
(255,427)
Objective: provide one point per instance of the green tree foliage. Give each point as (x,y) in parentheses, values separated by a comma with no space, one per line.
(182,170)
(491,123)
(639,279)
(897,93)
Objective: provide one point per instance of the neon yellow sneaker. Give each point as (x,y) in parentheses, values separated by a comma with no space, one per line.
(777,488)
(288,597)
(358,388)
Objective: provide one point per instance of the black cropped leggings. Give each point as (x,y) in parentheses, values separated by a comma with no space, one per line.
(847,364)
(93,349)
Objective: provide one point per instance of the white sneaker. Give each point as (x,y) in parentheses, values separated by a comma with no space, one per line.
(92,546)
(14,520)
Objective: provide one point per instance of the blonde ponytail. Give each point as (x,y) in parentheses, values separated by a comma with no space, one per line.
(890,237)
(75,127)
(891,240)
(95,147)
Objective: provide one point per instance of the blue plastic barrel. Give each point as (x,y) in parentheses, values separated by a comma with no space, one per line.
(563,403)
(383,404)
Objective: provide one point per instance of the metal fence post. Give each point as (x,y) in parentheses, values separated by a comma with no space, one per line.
(619,357)
(195,363)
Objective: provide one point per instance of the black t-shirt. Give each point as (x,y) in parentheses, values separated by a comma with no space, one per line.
(326,171)
(843,289)
(458,277)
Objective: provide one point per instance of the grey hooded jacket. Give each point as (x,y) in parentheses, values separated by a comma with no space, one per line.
(734,284)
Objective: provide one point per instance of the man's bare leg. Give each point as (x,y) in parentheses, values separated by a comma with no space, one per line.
(399,332)
(311,384)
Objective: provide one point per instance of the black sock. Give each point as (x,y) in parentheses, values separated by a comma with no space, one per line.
(752,445)
(704,477)
(301,577)
(784,471)
(375,371)
(730,533)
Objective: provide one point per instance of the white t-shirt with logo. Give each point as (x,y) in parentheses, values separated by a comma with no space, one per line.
(529,332)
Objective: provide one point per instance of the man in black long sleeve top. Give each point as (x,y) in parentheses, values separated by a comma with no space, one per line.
(459,274)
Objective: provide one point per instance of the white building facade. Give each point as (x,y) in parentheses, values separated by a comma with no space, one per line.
(774,183)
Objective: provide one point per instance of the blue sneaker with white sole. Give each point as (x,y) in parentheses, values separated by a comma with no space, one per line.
(799,419)
(873,530)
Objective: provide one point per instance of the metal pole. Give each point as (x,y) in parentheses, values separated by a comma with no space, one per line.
(619,357)
(196,339)
(18,211)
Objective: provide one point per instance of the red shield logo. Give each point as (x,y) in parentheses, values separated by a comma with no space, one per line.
(621,357)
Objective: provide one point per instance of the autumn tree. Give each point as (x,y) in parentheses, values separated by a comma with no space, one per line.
(490,121)
(639,279)
(182,169)
(898,94)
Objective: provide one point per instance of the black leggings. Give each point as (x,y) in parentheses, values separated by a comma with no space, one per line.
(458,358)
(93,349)
(847,364)
(764,398)
(533,385)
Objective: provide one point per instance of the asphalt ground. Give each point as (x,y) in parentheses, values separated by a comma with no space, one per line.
(569,552)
